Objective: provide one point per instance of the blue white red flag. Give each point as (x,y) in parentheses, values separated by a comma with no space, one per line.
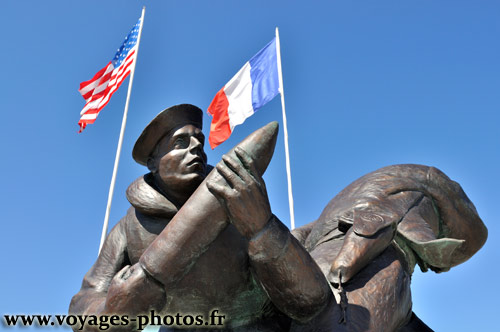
(255,84)
(98,90)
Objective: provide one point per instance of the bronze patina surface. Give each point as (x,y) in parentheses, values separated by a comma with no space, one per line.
(199,238)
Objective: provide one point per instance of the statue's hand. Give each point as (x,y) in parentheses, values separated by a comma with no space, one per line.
(242,192)
(132,291)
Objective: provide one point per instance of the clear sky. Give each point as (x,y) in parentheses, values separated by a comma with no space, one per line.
(367,84)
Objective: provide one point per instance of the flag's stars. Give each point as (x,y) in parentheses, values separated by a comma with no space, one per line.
(128,44)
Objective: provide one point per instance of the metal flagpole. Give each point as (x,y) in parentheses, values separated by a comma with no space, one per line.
(285,131)
(120,140)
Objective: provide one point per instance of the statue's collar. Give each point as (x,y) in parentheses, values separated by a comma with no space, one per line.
(146,199)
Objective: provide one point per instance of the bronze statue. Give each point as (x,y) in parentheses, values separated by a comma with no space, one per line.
(372,234)
(197,240)
(176,251)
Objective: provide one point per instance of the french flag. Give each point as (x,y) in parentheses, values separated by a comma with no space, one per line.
(254,85)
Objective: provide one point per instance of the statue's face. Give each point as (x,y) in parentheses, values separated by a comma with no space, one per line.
(180,161)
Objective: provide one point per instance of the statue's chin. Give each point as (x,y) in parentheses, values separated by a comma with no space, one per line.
(195,182)
(179,188)
(190,182)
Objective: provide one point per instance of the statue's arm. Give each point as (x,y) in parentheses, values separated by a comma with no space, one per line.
(112,286)
(92,296)
(188,235)
(290,276)
(421,209)
(293,281)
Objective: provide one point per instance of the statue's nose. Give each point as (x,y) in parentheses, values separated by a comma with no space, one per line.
(194,144)
(195,147)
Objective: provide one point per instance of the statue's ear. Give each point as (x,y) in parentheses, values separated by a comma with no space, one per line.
(152,165)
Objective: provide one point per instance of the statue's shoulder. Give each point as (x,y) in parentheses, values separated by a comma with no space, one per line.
(301,233)
(147,200)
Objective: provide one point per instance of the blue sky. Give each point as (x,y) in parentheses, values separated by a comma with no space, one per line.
(367,84)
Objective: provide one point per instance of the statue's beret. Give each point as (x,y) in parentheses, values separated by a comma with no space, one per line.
(167,120)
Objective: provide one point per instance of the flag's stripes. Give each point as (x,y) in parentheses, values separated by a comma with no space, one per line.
(97,85)
(91,84)
(114,78)
(238,92)
(100,98)
(98,90)
(220,128)
(255,84)
(101,95)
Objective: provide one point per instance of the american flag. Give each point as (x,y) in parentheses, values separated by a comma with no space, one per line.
(98,90)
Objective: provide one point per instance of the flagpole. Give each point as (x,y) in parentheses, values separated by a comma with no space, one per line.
(120,140)
(285,130)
